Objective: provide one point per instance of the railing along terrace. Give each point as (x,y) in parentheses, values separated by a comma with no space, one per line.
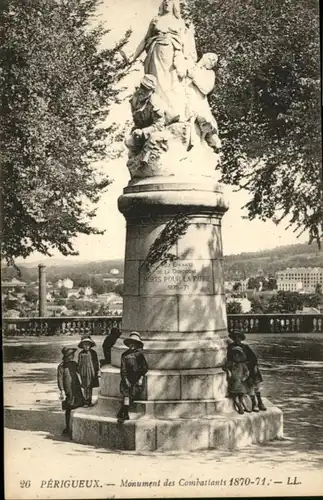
(101,325)
(276,323)
(92,325)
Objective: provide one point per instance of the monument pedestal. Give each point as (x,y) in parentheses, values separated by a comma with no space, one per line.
(178,308)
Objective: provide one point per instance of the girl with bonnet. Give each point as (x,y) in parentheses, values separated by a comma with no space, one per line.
(69,385)
(255,378)
(238,374)
(88,367)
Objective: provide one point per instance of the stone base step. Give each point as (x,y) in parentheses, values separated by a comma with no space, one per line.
(143,433)
(171,409)
(170,384)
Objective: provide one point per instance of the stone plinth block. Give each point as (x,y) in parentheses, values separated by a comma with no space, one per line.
(185,295)
(143,433)
(167,409)
(170,385)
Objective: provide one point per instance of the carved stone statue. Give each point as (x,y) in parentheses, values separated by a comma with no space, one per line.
(167,48)
(147,114)
(171,113)
(149,136)
(202,79)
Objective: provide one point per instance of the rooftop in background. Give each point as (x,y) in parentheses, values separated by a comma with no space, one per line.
(302,269)
(13,283)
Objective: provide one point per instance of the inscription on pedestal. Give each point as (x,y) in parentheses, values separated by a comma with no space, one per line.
(180,276)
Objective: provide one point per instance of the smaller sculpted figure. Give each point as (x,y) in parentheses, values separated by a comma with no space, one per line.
(108,343)
(133,369)
(147,115)
(238,374)
(69,385)
(88,367)
(254,379)
(201,79)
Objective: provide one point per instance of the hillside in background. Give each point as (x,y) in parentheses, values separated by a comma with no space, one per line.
(236,266)
(271,261)
(68,270)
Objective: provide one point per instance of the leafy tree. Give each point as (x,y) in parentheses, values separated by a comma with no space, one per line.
(31,295)
(56,87)
(80,280)
(119,289)
(285,302)
(236,286)
(98,286)
(254,283)
(267,102)
(109,286)
(272,283)
(258,305)
(234,307)
(312,300)
(63,292)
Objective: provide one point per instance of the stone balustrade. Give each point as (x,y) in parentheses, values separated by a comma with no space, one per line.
(276,323)
(92,325)
(100,325)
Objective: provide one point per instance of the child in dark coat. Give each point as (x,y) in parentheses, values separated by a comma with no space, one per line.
(255,378)
(133,369)
(238,374)
(69,385)
(88,367)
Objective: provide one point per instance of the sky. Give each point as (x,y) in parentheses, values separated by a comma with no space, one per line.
(239,235)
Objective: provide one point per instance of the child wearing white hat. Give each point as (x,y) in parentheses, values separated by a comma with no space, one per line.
(133,369)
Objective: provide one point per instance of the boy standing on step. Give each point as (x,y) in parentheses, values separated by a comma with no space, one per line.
(133,369)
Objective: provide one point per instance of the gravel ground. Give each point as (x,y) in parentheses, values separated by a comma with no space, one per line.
(36,452)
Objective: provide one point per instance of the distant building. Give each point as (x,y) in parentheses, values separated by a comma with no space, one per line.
(228,286)
(245,303)
(10,286)
(106,298)
(11,313)
(73,292)
(304,279)
(65,283)
(54,310)
(114,272)
(309,310)
(87,291)
(244,285)
(112,300)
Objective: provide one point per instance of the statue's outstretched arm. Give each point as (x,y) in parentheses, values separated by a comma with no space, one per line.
(189,44)
(141,47)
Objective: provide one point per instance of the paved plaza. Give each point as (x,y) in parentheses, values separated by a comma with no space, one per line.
(292,366)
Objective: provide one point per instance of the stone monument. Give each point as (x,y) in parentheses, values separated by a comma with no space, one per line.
(176,302)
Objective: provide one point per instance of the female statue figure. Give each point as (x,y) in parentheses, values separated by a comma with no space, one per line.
(164,44)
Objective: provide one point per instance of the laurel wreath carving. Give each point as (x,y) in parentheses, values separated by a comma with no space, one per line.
(159,252)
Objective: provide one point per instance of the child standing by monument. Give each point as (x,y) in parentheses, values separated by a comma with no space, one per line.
(255,378)
(133,369)
(238,374)
(69,385)
(88,367)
